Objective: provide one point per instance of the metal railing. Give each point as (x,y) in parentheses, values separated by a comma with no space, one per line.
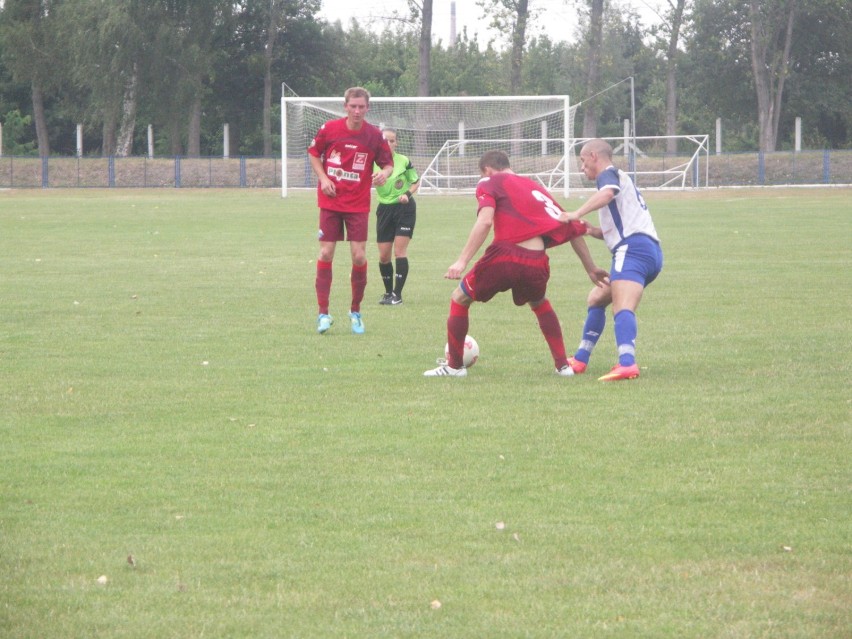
(728,169)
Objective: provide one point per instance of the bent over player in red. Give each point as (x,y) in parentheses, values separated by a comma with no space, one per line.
(525,219)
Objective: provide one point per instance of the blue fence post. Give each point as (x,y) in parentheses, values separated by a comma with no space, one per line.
(111,171)
(177,171)
(826,166)
(761,168)
(45,173)
(243,180)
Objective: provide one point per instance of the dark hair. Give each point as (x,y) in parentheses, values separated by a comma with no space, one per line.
(495,158)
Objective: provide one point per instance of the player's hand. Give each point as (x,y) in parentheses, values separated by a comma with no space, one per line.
(403,199)
(379,178)
(568,216)
(594,231)
(455,271)
(328,187)
(599,277)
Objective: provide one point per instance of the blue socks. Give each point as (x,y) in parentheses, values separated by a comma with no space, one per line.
(592,330)
(625,337)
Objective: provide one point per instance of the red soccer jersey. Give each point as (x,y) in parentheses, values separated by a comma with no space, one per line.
(347,157)
(524,209)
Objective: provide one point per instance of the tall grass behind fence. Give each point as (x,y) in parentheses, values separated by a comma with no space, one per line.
(740,169)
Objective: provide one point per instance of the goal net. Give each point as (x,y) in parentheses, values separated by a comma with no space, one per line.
(444,137)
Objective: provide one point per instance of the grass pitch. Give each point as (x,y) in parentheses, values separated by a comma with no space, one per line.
(181,455)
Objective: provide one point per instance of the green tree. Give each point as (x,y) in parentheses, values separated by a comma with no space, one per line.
(29,31)
(15,131)
(819,90)
(108,50)
(771,40)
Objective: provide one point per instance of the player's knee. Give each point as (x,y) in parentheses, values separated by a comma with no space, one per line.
(599,297)
(460,297)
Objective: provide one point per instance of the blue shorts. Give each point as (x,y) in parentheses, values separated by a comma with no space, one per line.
(638,258)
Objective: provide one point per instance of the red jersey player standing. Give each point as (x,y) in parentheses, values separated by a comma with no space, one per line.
(525,221)
(342,155)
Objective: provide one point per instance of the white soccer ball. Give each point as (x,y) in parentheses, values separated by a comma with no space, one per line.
(471,351)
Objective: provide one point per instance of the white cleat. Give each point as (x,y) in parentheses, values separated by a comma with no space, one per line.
(445,370)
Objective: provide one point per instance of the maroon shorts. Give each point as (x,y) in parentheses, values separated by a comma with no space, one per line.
(508,267)
(333,223)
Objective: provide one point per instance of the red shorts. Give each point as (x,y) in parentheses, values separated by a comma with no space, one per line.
(333,223)
(506,266)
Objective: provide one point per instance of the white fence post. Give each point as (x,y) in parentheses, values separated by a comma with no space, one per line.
(150,141)
(227,141)
(798,134)
(627,138)
(79,140)
(718,136)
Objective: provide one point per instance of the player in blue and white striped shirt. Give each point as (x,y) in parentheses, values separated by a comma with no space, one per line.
(637,259)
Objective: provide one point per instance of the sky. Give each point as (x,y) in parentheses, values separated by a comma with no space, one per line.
(557,18)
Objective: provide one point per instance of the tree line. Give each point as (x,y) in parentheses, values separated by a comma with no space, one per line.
(186,67)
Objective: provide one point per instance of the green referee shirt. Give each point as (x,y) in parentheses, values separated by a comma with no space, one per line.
(402,177)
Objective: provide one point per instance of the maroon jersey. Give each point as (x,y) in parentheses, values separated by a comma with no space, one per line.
(524,209)
(347,157)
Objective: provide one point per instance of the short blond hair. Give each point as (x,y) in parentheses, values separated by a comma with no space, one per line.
(356,92)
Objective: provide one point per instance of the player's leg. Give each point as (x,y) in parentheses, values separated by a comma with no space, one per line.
(636,264)
(400,250)
(599,298)
(404,231)
(330,232)
(324,275)
(356,230)
(626,296)
(458,322)
(384,241)
(548,322)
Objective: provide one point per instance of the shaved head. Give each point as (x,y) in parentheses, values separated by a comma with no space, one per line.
(598,147)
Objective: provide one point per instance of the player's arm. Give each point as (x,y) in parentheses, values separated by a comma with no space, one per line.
(409,193)
(380,177)
(600,199)
(326,185)
(478,235)
(599,276)
(384,158)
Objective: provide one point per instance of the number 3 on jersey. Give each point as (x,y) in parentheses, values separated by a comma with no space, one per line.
(550,206)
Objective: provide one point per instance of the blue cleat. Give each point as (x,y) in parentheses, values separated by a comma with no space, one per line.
(357,323)
(324,323)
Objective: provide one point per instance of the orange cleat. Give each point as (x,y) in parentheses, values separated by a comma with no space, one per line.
(577,366)
(619,372)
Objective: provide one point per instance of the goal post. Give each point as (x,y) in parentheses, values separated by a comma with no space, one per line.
(445,136)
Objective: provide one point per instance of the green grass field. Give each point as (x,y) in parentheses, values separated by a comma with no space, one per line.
(172,425)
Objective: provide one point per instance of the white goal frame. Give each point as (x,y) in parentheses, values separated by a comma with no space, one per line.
(556,152)
(653,171)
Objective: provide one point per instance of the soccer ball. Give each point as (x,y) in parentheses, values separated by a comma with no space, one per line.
(470,354)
